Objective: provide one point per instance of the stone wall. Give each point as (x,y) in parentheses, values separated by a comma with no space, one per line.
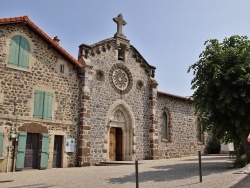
(92,100)
(17,88)
(183,139)
(103,95)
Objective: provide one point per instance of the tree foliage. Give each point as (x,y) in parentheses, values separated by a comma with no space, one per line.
(221,86)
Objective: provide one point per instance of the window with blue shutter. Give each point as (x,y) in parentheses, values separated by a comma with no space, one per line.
(47,114)
(19,51)
(43,105)
(1,144)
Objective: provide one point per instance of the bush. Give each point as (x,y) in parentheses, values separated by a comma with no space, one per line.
(240,161)
(213,147)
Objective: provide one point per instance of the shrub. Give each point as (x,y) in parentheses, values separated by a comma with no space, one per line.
(213,146)
(240,161)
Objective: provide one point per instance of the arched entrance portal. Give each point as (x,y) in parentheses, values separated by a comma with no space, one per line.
(120,133)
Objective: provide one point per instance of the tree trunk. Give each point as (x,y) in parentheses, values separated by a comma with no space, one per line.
(246,145)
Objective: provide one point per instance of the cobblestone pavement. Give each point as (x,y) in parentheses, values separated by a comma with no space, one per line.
(178,172)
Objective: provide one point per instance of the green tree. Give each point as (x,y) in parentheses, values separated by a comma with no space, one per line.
(221,87)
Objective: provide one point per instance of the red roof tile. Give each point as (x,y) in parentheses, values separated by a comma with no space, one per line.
(43,34)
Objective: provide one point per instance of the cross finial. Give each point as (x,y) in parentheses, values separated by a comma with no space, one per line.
(120,22)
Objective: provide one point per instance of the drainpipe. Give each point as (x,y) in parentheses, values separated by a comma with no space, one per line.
(14,156)
(15,140)
(7,164)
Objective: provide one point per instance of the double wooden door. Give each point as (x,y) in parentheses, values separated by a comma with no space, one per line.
(31,152)
(115,144)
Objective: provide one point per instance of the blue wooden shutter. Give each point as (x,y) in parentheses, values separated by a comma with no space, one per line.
(14,50)
(24,53)
(44,152)
(1,144)
(47,110)
(20,156)
(38,104)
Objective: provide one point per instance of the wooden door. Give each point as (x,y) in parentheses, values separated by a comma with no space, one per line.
(57,154)
(118,138)
(115,144)
(31,152)
(112,144)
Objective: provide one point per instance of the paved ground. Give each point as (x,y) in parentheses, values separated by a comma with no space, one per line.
(180,172)
(245,183)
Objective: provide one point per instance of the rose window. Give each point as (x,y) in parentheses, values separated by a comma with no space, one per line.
(120,79)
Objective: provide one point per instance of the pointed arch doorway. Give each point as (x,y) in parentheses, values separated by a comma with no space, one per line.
(120,134)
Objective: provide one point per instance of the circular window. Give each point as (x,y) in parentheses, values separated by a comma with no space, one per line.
(120,78)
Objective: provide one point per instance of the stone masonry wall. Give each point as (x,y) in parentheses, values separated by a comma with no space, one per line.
(17,88)
(103,95)
(183,128)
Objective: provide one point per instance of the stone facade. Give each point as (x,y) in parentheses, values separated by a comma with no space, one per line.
(107,101)
(117,77)
(183,126)
(17,87)
(104,94)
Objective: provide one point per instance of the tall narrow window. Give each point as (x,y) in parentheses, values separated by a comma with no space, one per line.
(43,105)
(19,52)
(200,134)
(165,128)
(61,68)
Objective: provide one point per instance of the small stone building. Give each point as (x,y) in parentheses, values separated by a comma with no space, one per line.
(56,111)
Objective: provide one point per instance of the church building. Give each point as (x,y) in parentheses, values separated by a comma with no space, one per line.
(59,112)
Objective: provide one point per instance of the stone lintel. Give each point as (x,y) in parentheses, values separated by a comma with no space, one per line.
(33,128)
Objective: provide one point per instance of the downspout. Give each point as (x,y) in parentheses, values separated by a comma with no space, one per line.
(14,152)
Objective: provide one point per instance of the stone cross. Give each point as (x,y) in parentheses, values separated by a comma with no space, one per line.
(120,22)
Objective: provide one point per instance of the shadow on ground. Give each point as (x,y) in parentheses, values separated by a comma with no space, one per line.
(183,170)
(210,158)
(33,186)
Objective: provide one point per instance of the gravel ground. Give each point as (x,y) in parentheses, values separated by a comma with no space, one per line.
(178,172)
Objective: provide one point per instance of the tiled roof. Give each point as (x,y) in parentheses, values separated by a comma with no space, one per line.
(174,96)
(26,20)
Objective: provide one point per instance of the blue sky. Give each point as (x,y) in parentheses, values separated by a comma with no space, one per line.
(170,34)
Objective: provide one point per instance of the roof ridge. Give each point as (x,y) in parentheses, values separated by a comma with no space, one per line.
(176,96)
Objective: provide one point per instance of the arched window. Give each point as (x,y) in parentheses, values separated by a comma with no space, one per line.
(19,51)
(165,126)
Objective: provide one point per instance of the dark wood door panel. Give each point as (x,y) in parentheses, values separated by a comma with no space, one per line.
(57,154)
(31,153)
(118,144)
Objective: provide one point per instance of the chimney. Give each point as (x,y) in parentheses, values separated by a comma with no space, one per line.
(56,39)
